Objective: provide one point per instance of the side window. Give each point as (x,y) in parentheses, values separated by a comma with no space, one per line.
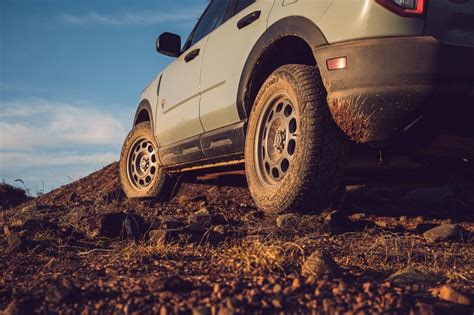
(242,4)
(211,19)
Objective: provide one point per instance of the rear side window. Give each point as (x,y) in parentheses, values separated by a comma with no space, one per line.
(211,19)
(242,4)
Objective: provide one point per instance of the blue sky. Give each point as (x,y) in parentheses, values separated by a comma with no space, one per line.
(70,76)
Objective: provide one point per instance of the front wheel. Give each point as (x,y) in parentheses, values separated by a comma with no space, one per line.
(140,173)
(294,151)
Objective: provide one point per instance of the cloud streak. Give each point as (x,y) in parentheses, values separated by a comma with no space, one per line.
(18,160)
(132,18)
(40,124)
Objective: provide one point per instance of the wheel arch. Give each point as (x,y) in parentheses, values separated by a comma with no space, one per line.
(143,113)
(298,36)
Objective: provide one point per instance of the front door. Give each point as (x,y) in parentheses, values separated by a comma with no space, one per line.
(178,125)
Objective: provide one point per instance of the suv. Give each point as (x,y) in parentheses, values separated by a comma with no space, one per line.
(287,88)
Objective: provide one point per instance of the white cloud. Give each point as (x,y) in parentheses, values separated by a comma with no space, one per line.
(40,124)
(133,18)
(26,160)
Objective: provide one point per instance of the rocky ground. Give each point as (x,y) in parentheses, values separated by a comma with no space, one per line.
(85,249)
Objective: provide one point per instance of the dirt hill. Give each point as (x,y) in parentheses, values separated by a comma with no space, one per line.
(85,248)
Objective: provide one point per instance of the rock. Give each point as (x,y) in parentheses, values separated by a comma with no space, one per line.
(277,288)
(218,219)
(338,223)
(214,238)
(177,284)
(358,216)
(170,222)
(196,228)
(287,221)
(165,236)
(57,294)
(438,197)
(296,284)
(16,224)
(319,264)
(212,193)
(6,231)
(423,227)
(219,229)
(73,197)
(115,195)
(199,198)
(174,284)
(122,225)
(403,219)
(201,310)
(443,233)
(253,215)
(412,275)
(449,294)
(184,200)
(15,243)
(381,224)
(201,217)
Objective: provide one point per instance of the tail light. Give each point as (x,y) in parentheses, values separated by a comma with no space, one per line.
(408,8)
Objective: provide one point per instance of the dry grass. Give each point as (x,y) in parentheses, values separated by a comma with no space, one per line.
(262,255)
(388,252)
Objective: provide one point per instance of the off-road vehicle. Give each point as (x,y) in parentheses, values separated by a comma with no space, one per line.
(305,94)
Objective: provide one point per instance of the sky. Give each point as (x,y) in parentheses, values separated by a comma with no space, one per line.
(71,72)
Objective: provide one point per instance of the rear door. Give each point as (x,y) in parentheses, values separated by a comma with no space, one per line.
(227,50)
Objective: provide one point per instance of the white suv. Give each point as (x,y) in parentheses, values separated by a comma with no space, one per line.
(284,88)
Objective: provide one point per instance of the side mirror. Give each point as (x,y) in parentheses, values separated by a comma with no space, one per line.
(169,44)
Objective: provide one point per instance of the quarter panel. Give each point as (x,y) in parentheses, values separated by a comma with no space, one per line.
(313,10)
(356,19)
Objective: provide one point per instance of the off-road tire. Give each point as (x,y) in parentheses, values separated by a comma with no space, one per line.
(312,179)
(162,185)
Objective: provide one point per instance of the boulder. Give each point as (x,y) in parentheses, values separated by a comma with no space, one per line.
(122,225)
(165,236)
(218,219)
(443,233)
(450,294)
(319,264)
(412,275)
(338,223)
(203,217)
(170,222)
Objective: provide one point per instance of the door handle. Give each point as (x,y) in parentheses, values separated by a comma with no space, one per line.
(193,54)
(248,19)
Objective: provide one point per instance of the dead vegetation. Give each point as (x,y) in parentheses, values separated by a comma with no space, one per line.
(84,248)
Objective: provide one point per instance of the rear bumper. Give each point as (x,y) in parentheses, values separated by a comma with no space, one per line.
(391,85)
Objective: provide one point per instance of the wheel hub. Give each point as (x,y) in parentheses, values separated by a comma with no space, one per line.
(276,143)
(142,163)
(280,140)
(145,164)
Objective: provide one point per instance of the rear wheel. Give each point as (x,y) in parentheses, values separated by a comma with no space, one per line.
(294,151)
(140,172)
